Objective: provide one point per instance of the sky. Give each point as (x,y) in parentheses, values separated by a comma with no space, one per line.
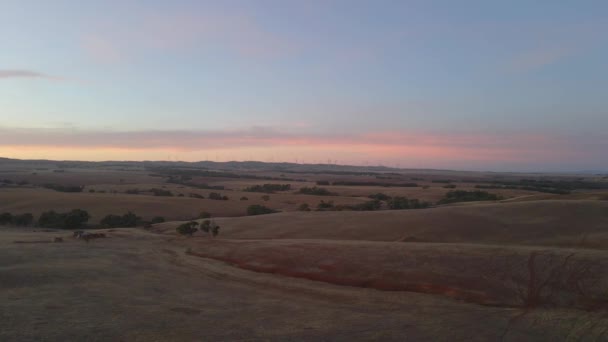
(469,85)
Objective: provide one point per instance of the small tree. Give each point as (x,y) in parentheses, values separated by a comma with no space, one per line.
(157,219)
(304,207)
(6,218)
(256,209)
(187,228)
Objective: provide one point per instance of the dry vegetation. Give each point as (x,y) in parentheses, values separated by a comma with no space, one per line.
(530,266)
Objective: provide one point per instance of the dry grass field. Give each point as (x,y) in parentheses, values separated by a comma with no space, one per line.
(531,266)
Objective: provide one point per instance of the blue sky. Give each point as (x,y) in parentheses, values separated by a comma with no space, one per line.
(485,85)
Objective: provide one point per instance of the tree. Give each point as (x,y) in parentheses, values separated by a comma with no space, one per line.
(23,219)
(187,228)
(128,220)
(6,218)
(157,219)
(76,219)
(256,209)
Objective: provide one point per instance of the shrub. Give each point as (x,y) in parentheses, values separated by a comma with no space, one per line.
(62,188)
(304,207)
(266,198)
(256,209)
(204,215)
(6,218)
(450,186)
(132,191)
(244,198)
(323,182)
(399,202)
(128,220)
(23,219)
(268,188)
(70,220)
(217,196)
(468,196)
(197,196)
(161,192)
(325,205)
(316,191)
(157,219)
(187,228)
(367,206)
(380,197)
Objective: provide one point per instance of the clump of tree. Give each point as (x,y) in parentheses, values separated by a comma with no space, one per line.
(193,195)
(64,188)
(217,196)
(268,188)
(400,202)
(380,197)
(187,228)
(128,220)
(77,218)
(316,191)
(19,220)
(161,192)
(210,227)
(468,196)
(384,184)
(257,209)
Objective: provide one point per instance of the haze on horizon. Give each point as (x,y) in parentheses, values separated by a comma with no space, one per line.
(473,85)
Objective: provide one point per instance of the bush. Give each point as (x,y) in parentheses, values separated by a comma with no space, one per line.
(380,197)
(161,192)
(23,219)
(399,202)
(450,186)
(322,182)
(217,196)
(266,198)
(188,228)
(256,209)
(325,205)
(210,227)
(6,218)
(468,196)
(128,220)
(157,219)
(304,207)
(76,218)
(244,198)
(268,188)
(63,188)
(197,196)
(367,206)
(204,215)
(316,191)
